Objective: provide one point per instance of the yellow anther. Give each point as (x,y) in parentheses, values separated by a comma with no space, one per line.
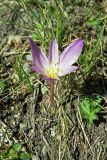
(53,70)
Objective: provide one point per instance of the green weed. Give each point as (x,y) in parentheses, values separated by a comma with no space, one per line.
(3,85)
(23,76)
(15,152)
(90,108)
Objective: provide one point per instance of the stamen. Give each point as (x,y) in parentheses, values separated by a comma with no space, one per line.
(53,70)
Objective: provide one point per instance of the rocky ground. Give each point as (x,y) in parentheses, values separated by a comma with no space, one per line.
(25,116)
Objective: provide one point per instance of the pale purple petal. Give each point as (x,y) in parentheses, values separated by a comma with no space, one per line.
(53,52)
(39,58)
(38,70)
(45,78)
(67,70)
(71,53)
(48,78)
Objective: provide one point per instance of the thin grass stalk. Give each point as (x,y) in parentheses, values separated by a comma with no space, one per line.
(17,26)
(46,18)
(25,8)
(13,11)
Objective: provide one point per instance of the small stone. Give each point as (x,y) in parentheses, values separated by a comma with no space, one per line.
(106,129)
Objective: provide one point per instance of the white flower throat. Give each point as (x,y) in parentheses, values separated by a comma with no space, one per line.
(53,70)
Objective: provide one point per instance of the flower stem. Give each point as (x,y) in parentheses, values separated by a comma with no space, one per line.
(52,82)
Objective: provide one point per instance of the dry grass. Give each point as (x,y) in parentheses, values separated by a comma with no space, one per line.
(26,116)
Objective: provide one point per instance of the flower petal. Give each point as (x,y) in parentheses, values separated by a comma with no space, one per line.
(53,52)
(71,53)
(48,78)
(45,78)
(39,58)
(68,70)
(39,70)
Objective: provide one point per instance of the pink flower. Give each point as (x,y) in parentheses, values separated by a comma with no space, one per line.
(55,66)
